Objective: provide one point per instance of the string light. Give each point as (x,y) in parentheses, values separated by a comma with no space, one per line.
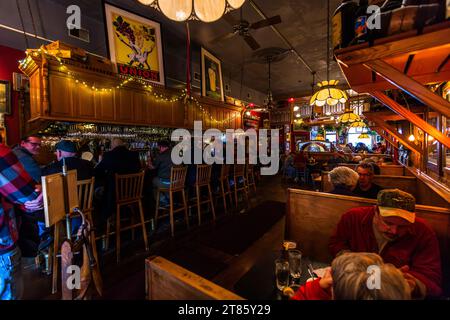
(24,64)
(126,79)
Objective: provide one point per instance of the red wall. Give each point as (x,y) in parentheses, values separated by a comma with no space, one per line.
(8,64)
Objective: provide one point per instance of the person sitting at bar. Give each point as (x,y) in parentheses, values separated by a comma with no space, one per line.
(66,151)
(119,160)
(29,147)
(392,230)
(163,165)
(344,181)
(348,279)
(366,188)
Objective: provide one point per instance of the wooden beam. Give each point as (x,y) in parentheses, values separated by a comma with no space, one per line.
(393,132)
(382,84)
(410,86)
(413,118)
(413,44)
(389,115)
(385,136)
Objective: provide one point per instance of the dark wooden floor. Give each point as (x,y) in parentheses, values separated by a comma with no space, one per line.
(190,248)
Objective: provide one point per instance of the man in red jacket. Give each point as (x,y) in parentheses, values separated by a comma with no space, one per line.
(392,230)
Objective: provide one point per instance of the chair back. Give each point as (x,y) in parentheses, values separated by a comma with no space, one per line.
(203,174)
(129,187)
(249,170)
(239,170)
(85,194)
(224,172)
(177,178)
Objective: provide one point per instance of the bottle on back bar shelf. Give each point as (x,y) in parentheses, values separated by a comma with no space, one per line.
(360,25)
(343,24)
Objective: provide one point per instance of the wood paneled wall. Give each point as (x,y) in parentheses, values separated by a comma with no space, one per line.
(69,100)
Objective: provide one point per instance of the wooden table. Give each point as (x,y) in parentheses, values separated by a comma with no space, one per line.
(259,282)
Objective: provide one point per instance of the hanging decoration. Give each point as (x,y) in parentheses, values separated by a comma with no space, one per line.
(349,117)
(203,10)
(328,92)
(183,96)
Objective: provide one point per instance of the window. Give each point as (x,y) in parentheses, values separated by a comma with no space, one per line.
(433,146)
(353,134)
(446,127)
(331,136)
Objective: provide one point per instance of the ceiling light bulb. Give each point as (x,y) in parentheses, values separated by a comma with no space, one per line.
(411,138)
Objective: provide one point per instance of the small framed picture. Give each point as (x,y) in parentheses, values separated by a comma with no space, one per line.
(20,82)
(212,85)
(5,97)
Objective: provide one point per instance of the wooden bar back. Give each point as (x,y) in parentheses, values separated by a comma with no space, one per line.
(165,280)
(177,178)
(203,174)
(129,187)
(225,172)
(85,194)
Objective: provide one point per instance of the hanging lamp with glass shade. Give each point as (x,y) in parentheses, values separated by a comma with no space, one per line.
(364,135)
(358,124)
(328,92)
(203,10)
(349,117)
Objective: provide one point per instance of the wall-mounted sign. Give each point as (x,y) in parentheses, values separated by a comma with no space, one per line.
(135,45)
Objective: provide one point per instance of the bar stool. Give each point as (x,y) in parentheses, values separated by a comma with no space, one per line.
(203,178)
(85,189)
(224,185)
(250,177)
(177,180)
(239,173)
(128,193)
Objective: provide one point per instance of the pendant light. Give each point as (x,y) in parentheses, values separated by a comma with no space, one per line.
(203,10)
(328,93)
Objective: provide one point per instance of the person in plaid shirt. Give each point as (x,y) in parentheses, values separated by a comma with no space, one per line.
(16,188)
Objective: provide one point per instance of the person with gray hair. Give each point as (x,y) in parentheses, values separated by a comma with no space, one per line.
(344,181)
(364,276)
(357,276)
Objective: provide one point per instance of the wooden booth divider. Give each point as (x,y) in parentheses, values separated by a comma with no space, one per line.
(424,193)
(165,280)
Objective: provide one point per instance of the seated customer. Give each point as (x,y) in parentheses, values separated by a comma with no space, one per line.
(348,279)
(373,163)
(66,151)
(392,229)
(119,160)
(344,181)
(163,165)
(366,188)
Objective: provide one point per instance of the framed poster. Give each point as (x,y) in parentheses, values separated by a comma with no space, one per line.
(5,97)
(135,45)
(212,85)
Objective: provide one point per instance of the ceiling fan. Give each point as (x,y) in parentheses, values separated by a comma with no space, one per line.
(269,56)
(243,27)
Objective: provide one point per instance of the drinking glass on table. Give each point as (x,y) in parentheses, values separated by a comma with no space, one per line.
(282,273)
(295,264)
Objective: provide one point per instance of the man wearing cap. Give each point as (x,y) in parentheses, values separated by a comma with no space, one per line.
(392,230)
(67,150)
